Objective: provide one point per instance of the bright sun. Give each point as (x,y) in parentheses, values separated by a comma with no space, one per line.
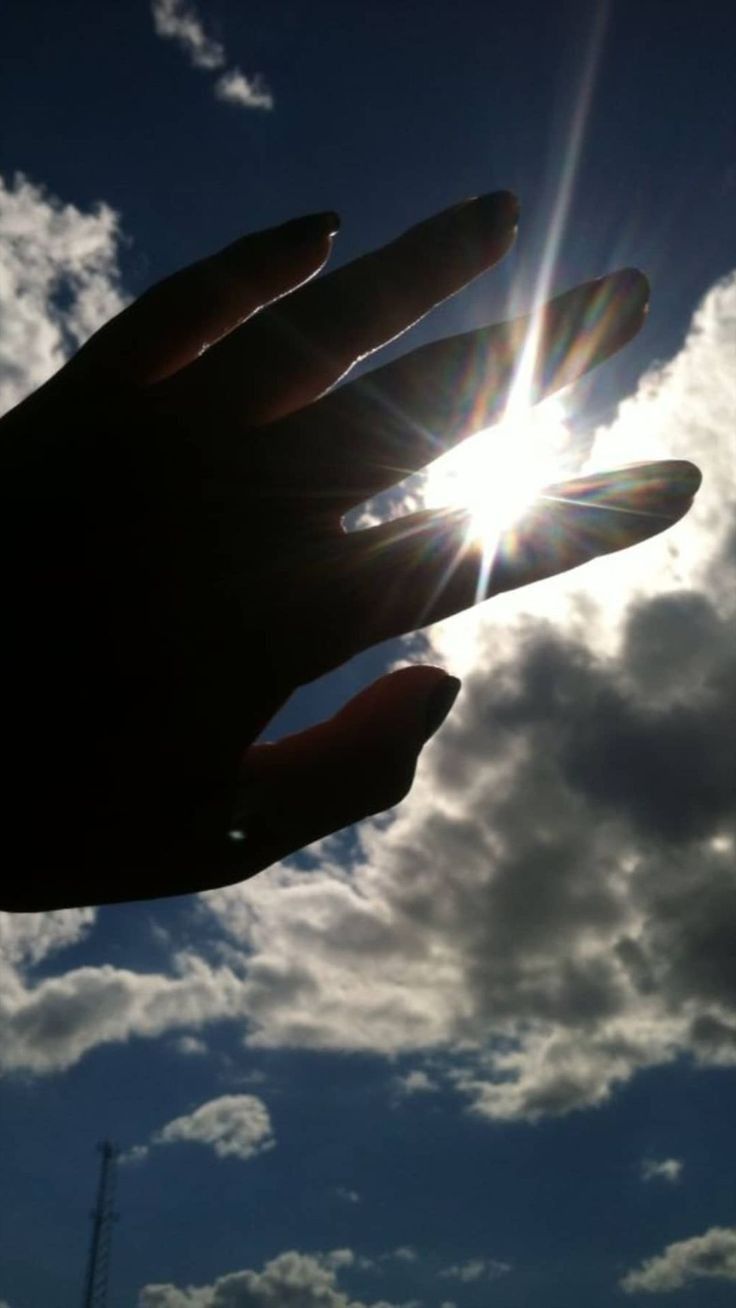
(499,471)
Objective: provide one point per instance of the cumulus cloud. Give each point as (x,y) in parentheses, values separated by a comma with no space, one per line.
(663,1169)
(49,1024)
(235,1126)
(176,20)
(59,282)
(298,1279)
(553,908)
(708,1256)
(475,1269)
(349,1196)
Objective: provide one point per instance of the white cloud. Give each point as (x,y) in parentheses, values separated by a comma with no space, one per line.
(251,92)
(48,1025)
(712,1255)
(176,20)
(191,1046)
(136,1154)
(544,962)
(235,1126)
(349,1196)
(552,908)
(662,1169)
(489,1269)
(27,938)
(59,282)
(298,1279)
(415,1082)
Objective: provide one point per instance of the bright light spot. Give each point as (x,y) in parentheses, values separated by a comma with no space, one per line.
(497,473)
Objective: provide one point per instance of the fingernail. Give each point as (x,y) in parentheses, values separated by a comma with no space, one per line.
(312,227)
(494,212)
(633,284)
(498,209)
(439,704)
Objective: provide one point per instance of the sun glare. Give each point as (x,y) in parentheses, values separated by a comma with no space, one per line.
(496,473)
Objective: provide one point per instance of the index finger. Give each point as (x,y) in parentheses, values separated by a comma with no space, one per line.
(291,353)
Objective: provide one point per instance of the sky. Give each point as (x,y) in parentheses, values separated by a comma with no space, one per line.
(481,1050)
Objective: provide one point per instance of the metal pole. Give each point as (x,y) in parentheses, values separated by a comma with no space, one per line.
(95,1281)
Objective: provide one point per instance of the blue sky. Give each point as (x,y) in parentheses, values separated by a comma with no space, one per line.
(484,1050)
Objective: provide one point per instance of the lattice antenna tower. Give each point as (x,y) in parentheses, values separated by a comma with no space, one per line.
(103,1217)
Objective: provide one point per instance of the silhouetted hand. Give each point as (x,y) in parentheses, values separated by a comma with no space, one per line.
(175,564)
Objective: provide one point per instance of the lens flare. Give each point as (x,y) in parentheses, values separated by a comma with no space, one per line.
(496,474)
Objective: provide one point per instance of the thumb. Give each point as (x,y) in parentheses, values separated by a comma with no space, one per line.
(359,762)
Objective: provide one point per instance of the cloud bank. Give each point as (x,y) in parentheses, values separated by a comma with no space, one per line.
(175,20)
(553,908)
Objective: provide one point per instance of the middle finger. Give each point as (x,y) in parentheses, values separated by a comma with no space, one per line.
(372,433)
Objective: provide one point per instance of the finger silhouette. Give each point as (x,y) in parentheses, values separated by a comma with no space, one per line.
(423,568)
(289,355)
(360,762)
(373,432)
(171,323)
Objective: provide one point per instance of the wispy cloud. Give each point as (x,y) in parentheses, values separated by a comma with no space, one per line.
(191,1046)
(176,20)
(416,1082)
(708,1256)
(662,1169)
(475,1269)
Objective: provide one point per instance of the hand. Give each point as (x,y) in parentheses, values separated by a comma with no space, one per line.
(175,564)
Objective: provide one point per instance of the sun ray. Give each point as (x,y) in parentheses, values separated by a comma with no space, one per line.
(496,475)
